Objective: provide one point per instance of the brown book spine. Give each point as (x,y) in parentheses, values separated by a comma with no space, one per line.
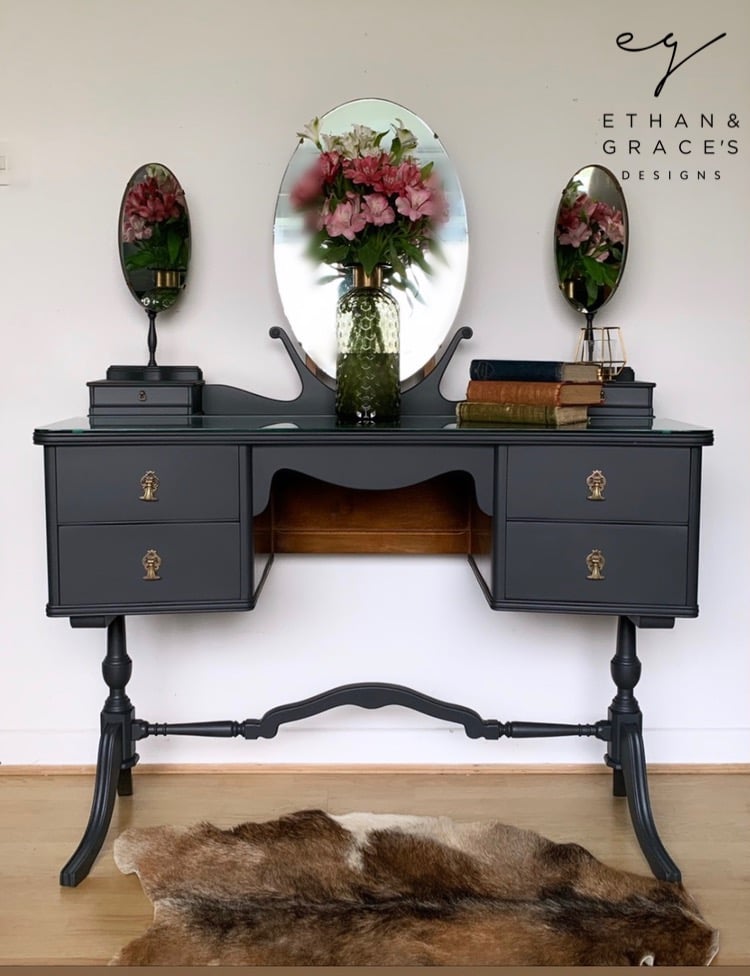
(520,413)
(529,391)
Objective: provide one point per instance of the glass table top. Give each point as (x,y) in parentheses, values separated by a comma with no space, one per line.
(276,425)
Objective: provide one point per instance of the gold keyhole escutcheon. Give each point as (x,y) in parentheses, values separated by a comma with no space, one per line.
(596,483)
(595,564)
(152,564)
(150,486)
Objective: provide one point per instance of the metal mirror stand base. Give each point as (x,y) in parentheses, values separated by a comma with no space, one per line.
(120,730)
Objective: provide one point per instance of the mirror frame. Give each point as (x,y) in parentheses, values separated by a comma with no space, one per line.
(606,190)
(161,287)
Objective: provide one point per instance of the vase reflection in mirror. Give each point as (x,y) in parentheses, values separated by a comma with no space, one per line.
(591,243)
(154,244)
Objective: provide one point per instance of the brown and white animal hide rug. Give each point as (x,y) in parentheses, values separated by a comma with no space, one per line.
(363,889)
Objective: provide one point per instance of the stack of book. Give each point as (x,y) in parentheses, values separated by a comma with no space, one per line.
(522,391)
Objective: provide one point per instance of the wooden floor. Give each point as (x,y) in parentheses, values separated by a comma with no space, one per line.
(703,821)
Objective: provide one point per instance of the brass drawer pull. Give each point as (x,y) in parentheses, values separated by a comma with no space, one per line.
(595,564)
(596,483)
(152,564)
(150,486)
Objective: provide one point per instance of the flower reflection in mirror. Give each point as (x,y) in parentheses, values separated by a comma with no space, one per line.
(369,206)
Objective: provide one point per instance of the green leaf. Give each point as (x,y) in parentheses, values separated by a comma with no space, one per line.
(174,245)
(140,260)
(610,273)
(334,253)
(593,269)
(370,254)
(417,257)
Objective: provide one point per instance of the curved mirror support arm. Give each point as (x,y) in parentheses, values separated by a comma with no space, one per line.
(316,397)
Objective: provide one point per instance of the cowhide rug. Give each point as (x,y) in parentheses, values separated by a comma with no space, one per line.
(362,889)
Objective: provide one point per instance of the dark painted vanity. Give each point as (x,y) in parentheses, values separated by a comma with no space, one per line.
(174,496)
(150,513)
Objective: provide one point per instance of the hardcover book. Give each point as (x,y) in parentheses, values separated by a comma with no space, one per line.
(542,370)
(520,413)
(530,391)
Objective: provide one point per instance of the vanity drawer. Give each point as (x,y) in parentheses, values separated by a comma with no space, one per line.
(104,484)
(645,565)
(103,564)
(642,484)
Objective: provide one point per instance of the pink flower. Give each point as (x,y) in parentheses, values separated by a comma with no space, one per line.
(409,174)
(586,205)
(365,169)
(613,228)
(390,180)
(307,188)
(568,218)
(347,220)
(377,210)
(153,201)
(600,213)
(439,199)
(575,235)
(135,228)
(329,164)
(415,202)
(310,185)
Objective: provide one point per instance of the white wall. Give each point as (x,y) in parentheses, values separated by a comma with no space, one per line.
(91,89)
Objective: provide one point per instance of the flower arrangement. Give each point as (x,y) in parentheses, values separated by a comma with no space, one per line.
(589,236)
(155,222)
(367,205)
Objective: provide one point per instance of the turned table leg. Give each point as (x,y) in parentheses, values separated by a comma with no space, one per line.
(116,755)
(627,755)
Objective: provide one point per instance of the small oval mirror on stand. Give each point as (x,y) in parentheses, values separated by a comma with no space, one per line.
(591,243)
(154,243)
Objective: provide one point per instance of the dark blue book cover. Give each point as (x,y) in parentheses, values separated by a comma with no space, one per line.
(534,370)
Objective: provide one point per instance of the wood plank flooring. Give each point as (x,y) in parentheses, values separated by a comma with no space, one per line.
(703,820)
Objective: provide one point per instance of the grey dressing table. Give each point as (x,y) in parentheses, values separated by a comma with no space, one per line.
(148,513)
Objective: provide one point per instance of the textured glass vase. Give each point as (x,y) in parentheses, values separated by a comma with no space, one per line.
(368,387)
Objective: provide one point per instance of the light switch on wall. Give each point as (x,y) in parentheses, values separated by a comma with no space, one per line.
(4,167)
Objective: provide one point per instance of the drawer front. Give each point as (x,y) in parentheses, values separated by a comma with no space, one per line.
(642,484)
(103,564)
(643,564)
(134,395)
(104,484)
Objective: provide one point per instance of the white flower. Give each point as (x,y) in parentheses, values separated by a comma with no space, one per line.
(312,132)
(406,137)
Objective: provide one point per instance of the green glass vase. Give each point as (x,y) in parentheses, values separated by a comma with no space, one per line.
(368,387)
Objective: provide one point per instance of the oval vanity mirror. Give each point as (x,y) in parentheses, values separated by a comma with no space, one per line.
(591,239)
(309,290)
(154,237)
